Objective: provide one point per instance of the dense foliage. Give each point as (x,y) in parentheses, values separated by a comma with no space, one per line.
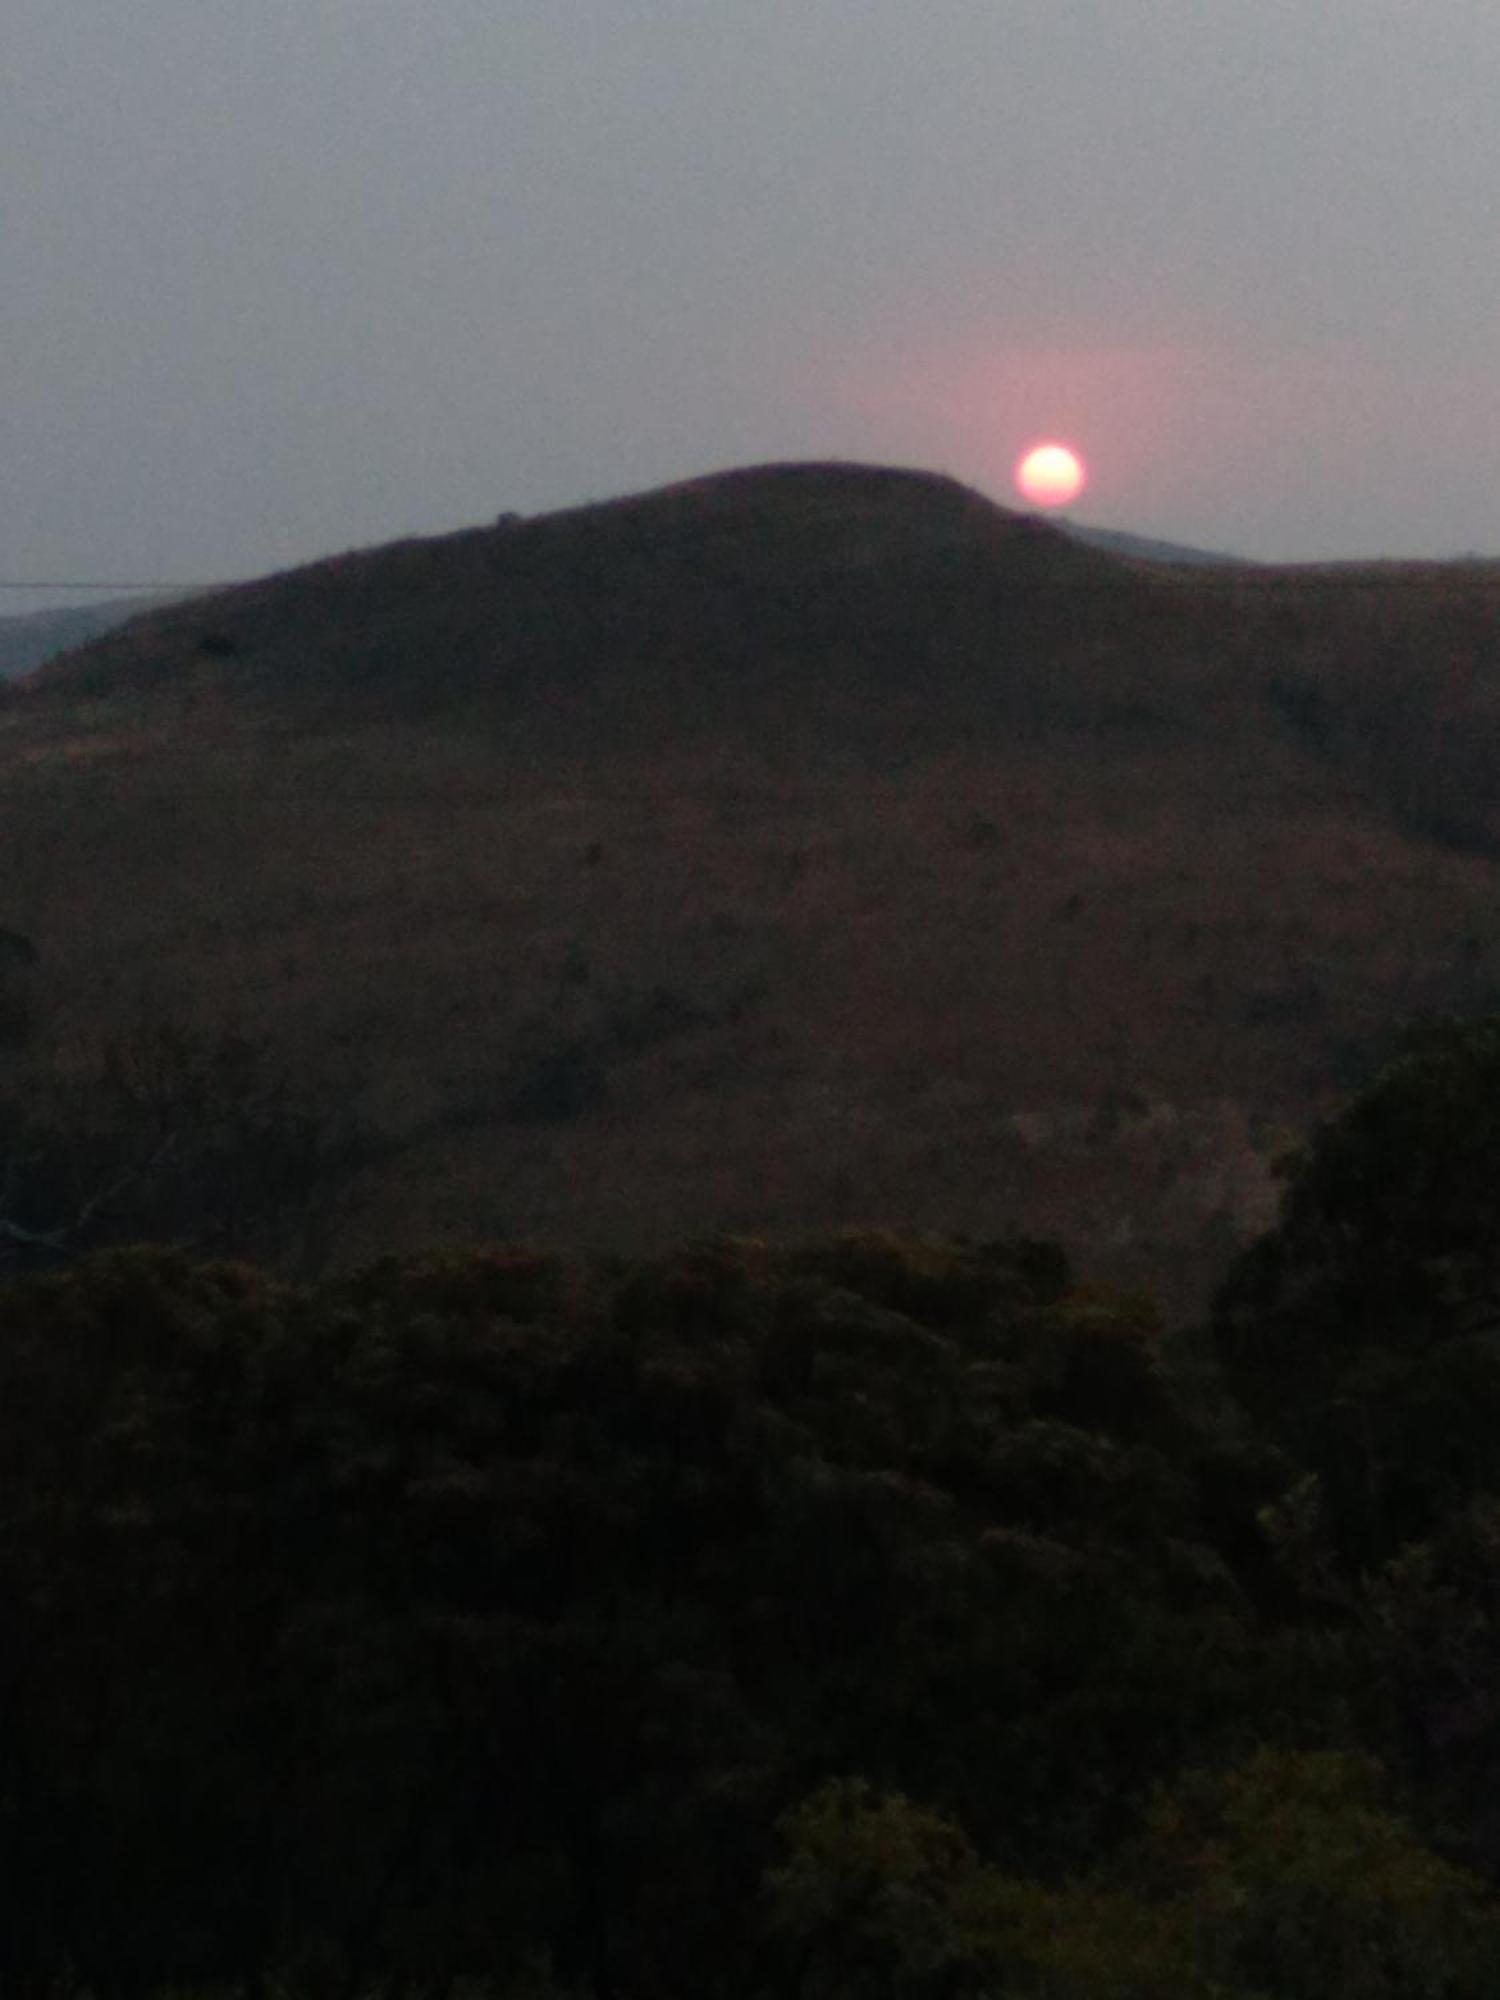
(876,1617)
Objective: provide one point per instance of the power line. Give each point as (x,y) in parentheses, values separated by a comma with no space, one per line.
(42,583)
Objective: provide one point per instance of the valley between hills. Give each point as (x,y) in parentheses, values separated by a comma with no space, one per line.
(799,847)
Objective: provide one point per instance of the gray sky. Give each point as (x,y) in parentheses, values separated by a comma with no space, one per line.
(279,277)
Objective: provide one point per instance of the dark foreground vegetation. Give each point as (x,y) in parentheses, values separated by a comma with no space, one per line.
(877,1617)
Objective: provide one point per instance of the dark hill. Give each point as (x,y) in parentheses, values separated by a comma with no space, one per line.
(805,845)
(823,581)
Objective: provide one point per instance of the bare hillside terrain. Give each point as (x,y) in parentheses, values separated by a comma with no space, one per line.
(803,846)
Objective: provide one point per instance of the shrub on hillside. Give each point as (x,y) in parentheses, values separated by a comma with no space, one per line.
(1363,1331)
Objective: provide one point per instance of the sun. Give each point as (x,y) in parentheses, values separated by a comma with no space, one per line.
(1051,475)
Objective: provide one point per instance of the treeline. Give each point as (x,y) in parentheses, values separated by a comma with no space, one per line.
(876,1617)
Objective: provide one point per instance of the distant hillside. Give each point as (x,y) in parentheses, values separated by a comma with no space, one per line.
(802,846)
(1143,549)
(29,639)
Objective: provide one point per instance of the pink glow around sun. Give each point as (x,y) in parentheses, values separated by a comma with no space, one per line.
(1050,475)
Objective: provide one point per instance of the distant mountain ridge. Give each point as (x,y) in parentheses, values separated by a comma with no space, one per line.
(29,639)
(1143,548)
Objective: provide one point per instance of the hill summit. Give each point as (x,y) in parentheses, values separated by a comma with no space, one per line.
(845,574)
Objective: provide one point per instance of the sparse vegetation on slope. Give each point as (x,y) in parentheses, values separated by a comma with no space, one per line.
(810,844)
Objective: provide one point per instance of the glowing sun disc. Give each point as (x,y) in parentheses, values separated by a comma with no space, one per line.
(1050,475)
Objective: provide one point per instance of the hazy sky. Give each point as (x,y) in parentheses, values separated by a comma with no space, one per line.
(279,277)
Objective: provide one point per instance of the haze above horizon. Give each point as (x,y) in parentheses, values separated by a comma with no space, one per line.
(296,278)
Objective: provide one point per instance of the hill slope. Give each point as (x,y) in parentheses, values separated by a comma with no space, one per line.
(805,845)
